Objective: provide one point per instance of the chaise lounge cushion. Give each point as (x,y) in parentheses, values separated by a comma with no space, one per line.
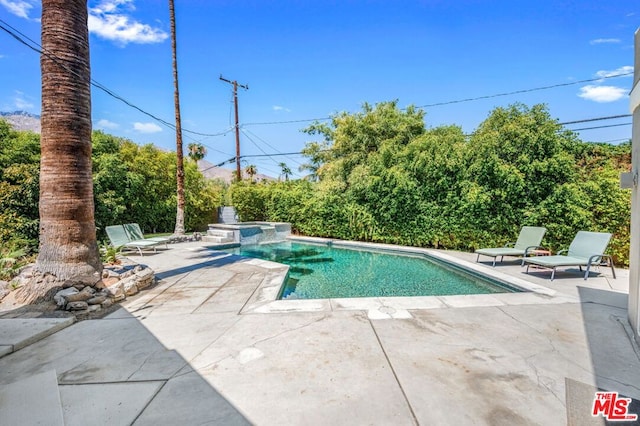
(586,249)
(529,239)
(118,237)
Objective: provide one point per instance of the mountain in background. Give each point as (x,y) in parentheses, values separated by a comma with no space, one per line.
(212,172)
(25,121)
(22,120)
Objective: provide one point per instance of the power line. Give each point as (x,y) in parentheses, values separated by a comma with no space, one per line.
(257,146)
(274,155)
(269,145)
(601,127)
(553,86)
(235,85)
(516,92)
(611,117)
(287,122)
(20,37)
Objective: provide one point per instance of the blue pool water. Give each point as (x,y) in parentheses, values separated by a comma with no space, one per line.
(323,271)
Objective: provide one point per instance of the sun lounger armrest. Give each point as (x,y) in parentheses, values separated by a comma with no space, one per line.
(561,251)
(510,244)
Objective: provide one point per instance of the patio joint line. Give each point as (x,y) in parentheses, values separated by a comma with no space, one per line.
(150,401)
(629,333)
(393,371)
(246,302)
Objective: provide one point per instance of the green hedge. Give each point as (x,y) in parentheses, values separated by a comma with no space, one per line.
(386,179)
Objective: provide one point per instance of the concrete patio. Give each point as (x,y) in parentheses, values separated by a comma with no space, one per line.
(206,345)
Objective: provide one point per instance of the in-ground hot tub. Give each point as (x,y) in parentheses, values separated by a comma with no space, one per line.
(251,232)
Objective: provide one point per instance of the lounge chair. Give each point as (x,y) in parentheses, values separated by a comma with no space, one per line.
(586,249)
(135,234)
(119,238)
(529,239)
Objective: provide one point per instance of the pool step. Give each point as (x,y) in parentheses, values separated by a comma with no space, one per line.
(219,236)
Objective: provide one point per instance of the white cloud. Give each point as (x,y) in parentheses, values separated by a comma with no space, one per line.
(146,127)
(108,20)
(20,103)
(106,124)
(19,8)
(605,41)
(627,69)
(281,108)
(602,94)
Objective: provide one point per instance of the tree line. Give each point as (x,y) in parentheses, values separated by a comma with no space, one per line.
(380,175)
(131,183)
(377,175)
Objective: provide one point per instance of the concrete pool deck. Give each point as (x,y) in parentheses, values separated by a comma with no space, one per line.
(188,351)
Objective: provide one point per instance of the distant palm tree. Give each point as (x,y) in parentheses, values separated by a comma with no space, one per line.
(286,171)
(68,246)
(251,170)
(179,229)
(197,151)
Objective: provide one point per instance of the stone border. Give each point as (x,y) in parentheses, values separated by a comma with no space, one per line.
(263,300)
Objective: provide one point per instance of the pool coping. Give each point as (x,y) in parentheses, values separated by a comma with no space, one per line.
(264,298)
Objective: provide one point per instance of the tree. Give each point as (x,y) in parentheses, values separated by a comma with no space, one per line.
(68,246)
(197,151)
(179,229)
(318,153)
(251,170)
(285,170)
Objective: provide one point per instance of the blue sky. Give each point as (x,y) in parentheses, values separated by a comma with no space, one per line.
(308,59)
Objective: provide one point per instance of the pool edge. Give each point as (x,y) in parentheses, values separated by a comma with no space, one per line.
(263,300)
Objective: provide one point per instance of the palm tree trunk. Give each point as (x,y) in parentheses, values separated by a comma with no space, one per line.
(179,229)
(68,246)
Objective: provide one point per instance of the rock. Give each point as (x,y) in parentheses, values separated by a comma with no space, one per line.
(108,272)
(145,278)
(138,268)
(61,297)
(77,306)
(82,296)
(68,284)
(82,281)
(107,303)
(130,287)
(96,300)
(4,291)
(116,291)
(94,308)
(107,282)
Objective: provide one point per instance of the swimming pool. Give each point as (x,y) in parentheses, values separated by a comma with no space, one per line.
(321,271)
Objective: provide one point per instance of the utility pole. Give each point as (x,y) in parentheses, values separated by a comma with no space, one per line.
(235,105)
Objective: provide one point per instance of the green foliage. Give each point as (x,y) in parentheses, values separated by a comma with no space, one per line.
(19,186)
(197,151)
(132,183)
(249,200)
(377,175)
(14,254)
(381,176)
(109,254)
